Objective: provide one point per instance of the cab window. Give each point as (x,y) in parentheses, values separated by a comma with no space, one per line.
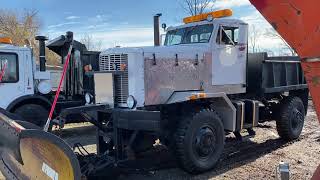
(189,35)
(9,67)
(228,35)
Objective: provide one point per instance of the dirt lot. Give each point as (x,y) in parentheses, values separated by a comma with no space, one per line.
(254,158)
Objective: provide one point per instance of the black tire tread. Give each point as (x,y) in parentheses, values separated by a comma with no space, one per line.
(283,124)
(183,160)
(39,116)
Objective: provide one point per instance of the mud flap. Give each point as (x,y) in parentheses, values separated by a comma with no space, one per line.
(34,154)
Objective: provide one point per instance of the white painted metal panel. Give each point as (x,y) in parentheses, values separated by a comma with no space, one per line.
(229,61)
(104,93)
(136,77)
(28,72)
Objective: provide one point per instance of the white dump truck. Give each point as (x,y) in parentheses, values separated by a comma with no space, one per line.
(188,93)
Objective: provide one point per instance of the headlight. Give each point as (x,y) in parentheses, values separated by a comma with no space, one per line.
(44,87)
(89,98)
(131,102)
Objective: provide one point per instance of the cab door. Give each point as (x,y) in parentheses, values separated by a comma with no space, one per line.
(11,86)
(230,55)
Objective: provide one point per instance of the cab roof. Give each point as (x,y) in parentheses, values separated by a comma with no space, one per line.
(11,47)
(215,21)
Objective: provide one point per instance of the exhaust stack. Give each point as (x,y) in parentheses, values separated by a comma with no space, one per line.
(156,24)
(42,52)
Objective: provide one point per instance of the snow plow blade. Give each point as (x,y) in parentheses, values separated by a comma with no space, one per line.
(34,154)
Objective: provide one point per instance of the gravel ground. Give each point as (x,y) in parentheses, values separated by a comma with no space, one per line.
(253,158)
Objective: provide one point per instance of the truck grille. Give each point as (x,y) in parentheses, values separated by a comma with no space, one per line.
(112,62)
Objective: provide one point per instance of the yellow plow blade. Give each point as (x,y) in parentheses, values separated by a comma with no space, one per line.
(34,154)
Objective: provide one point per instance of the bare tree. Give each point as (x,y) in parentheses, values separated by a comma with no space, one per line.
(90,43)
(195,7)
(21,28)
(271,33)
(254,36)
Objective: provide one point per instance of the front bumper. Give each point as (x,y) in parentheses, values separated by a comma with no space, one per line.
(141,120)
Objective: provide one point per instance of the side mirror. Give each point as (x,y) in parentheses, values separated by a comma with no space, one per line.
(162,39)
(164,26)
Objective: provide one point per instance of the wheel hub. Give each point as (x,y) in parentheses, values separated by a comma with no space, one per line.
(204,142)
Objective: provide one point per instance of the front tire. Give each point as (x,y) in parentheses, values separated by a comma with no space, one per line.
(291,118)
(199,141)
(33,113)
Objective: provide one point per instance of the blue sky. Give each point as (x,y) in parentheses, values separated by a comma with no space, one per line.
(120,22)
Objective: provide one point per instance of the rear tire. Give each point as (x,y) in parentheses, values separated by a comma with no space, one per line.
(33,113)
(199,141)
(291,118)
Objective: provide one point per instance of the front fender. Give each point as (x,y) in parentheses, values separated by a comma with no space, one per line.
(34,99)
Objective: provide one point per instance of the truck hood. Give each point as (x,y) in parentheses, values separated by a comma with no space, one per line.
(162,50)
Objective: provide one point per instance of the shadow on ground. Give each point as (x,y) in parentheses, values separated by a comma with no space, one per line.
(85,135)
(236,154)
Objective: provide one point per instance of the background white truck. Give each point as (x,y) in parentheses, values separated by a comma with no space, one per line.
(26,90)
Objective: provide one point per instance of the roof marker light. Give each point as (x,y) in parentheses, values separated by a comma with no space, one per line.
(210,15)
(5,40)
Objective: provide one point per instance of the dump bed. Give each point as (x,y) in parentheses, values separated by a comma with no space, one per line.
(274,74)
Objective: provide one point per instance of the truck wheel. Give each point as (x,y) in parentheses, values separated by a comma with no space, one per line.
(291,118)
(199,141)
(33,113)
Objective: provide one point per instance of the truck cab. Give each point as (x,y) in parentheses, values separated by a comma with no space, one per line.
(17,65)
(206,55)
(224,39)
(27,90)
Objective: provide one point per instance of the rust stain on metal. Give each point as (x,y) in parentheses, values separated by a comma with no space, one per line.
(295,8)
(315,80)
(317,29)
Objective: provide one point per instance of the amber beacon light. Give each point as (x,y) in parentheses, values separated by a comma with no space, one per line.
(205,16)
(5,40)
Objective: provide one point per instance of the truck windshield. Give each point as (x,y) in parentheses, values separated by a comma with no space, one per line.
(189,35)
